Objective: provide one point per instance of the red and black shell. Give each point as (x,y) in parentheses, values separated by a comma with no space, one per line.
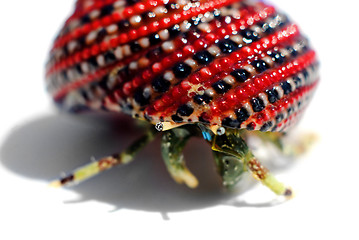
(230,63)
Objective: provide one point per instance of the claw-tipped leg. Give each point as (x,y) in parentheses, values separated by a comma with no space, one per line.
(233,144)
(230,168)
(173,143)
(92,169)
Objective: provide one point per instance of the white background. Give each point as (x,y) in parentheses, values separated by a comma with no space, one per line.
(140,200)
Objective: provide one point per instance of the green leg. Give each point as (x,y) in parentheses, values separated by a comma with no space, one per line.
(173,143)
(230,168)
(94,168)
(232,143)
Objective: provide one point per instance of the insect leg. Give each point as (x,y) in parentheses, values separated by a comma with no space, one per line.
(229,167)
(233,144)
(173,143)
(92,169)
(289,148)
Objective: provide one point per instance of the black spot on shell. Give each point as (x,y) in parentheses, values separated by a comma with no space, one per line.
(279,118)
(174,31)
(265,27)
(221,87)
(86,19)
(249,36)
(266,126)
(290,110)
(160,84)
(292,51)
(78,68)
(123,24)
(101,34)
(185,110)
(82,40)
(277,57)
(287,88)
(242,115)
(109,57)
(93,61)
(131,2)
(229,122)
(227,46)
(260,65)
(103,84)
(107,10)
(146,16)
(177,119)
(171,6)
(199,99)
(297,81)
(140,98)
(273,95)
(135,47)
(124,73)
(154,39)
(203,57)
(257,104)
(181,70)
(240,75)
(305,74)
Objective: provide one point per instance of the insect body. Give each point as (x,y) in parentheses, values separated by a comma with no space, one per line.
(221,69)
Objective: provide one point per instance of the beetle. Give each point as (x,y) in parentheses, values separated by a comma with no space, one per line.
(219,69)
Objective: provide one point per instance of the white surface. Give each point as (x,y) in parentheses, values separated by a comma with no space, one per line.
(140,200)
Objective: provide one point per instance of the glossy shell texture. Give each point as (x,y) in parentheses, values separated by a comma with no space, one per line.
(230,63)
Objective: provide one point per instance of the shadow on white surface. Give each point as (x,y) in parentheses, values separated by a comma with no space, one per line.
(42,148)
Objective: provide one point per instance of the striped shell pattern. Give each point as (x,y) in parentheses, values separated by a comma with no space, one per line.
(230,63)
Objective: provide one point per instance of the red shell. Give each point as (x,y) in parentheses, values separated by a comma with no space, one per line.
(230,63)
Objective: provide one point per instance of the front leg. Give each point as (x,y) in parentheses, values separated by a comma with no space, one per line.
(173,143)
(233,144)
(229,167)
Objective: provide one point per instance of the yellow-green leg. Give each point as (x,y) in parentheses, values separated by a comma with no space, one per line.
(94,168)
(232,143)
